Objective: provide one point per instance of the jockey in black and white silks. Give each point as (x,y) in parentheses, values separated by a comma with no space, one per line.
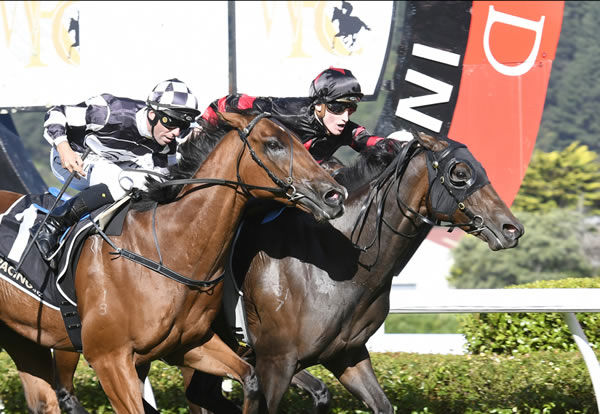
(121,133)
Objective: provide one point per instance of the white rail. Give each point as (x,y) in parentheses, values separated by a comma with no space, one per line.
(494,300)
(564,301)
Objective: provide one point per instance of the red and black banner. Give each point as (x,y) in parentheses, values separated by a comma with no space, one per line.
(476,72)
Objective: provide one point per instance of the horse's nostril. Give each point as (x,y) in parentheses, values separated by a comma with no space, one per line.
(333,198)
(511,232)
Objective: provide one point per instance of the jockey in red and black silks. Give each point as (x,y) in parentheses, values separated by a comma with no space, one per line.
(320,120)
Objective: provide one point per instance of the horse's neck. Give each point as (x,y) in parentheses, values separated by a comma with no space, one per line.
(390,252)
(202,223)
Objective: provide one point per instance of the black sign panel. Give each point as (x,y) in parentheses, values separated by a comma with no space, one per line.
(428,69)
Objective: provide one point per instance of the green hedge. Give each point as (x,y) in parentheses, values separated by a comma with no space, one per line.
(521,333)
(543,382)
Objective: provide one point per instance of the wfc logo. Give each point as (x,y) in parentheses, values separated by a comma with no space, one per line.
(39,34)
(336,30)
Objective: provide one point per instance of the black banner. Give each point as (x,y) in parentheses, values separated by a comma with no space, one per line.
(428,69)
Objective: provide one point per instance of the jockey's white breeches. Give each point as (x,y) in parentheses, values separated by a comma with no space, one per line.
(99,170)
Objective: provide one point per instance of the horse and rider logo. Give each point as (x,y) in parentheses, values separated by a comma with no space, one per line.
(349,26)
(74,27)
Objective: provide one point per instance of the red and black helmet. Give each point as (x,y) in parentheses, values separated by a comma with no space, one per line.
(335,84)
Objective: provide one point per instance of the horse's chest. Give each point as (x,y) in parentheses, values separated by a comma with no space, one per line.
(352,326)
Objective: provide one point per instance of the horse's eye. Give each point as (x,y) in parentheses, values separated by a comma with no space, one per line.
(459,174)
(273,145)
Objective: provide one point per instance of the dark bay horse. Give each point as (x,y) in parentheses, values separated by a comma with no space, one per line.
(132,315)
(316,292)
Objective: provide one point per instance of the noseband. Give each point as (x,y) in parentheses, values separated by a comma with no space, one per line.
(283,186)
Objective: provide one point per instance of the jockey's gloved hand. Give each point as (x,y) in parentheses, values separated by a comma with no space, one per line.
(391,145)
(135,194)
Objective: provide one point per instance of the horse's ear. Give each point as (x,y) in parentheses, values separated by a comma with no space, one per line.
(234,119)
(431,142)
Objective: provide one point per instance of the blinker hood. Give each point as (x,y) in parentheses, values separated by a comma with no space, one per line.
(444,194)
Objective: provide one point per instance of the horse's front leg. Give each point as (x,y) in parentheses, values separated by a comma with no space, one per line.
(65,364)
(216,358)
(316,388)
(275,373)
(119,379)
(354,370)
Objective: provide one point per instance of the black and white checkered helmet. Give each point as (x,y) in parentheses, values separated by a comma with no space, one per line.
(174,98)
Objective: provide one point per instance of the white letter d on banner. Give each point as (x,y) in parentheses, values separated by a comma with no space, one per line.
(496,16)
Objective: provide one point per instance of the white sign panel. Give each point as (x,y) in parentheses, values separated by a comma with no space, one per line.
(282,46)
(56,52)
(67,51)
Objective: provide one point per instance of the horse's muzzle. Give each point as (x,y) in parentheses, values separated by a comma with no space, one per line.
(505,237)
(335,198)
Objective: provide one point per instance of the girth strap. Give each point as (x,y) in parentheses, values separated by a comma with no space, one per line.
(72,323)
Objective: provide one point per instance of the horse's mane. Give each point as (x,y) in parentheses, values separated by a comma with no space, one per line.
(369,164)
(194,152)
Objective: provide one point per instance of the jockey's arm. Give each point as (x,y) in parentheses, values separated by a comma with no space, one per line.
(63,122)
(236,103)
(360,137)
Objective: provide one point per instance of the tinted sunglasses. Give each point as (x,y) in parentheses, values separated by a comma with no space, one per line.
(171,123)
(339,108)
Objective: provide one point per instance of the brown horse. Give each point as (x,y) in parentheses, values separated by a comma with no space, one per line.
(132,315)
(316,292)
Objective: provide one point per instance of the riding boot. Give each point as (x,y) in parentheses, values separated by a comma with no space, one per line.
(67,214)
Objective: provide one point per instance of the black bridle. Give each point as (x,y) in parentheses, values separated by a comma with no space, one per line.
(284,186)
(444,196)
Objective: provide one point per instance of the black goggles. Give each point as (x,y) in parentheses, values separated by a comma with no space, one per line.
(339,108)
(170,122)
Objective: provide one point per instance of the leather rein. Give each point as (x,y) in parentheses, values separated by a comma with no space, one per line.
(284,186)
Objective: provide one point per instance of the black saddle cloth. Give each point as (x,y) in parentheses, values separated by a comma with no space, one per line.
(36,277)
